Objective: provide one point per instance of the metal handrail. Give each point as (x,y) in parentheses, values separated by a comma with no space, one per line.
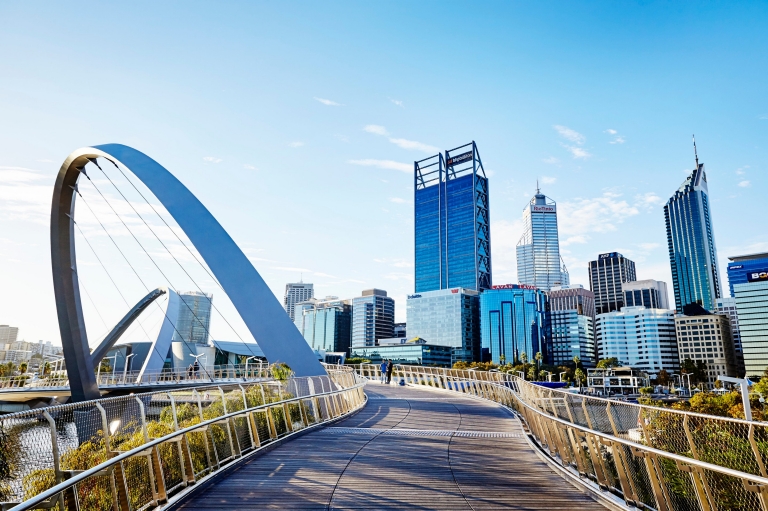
(63,486)
(646,476)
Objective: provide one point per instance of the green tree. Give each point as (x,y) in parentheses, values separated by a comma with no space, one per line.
(523,358)
(697,370)
(538,358)
(23,367)
(46,369)
(581,378)
(502,358)
(608,363)
(663,378)
(577,361)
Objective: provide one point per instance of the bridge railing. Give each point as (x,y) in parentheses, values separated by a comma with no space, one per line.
(652,457)
(133,452)
(133,378)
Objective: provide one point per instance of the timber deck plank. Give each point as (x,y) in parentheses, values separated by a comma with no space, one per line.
(401,455)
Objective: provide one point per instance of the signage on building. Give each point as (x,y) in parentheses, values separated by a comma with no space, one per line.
(414,296)
(608,255)
(757,276)
(459,158)
(736,267)
(514,286)
(542,209)
(454,291)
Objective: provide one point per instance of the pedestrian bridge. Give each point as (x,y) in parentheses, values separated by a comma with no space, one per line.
(435,439)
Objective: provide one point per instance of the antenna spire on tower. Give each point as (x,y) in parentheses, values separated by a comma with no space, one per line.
(537,187)
(695,153)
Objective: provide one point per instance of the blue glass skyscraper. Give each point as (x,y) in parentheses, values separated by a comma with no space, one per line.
(452,226)
(514,320)
(691,240)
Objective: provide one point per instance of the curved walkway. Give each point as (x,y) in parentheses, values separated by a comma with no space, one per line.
(407,449)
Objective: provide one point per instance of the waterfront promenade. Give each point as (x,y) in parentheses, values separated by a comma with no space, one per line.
(408,448)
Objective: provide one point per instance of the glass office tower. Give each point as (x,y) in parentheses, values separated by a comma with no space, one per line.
(325,324)
(748,276)
(572,322)
(513,320)
(538,251)
(452,226)
(194,320)
(373,318)
(691,241)
(447,317)
(607,276)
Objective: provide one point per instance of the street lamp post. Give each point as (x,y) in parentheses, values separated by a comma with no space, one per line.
(114,363)
(561,375)
(197,362)
(549,375)
(246,364)
(125,365)
(744,383)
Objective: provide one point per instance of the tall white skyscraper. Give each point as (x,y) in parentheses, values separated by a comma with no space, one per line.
(296,292)
(538,251)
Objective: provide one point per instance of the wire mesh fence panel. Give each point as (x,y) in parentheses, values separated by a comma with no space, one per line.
(261,421)
(171,458)
(139,480)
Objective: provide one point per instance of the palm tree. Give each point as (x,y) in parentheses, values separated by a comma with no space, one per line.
(502,358)
(46,368)
(523,358)
(538,363)
(577,361)
(23,367)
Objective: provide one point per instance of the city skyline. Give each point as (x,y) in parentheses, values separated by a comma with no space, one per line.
(244,138)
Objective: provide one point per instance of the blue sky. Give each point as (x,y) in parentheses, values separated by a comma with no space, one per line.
(296,124)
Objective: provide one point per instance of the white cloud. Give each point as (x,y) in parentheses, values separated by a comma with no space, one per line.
(548,180)
(618,140)
(212,159)
(397,102)
(569,134)
(376,130)
(249,167)
(412,144)
(742,170)
(649,246)
(745,184)
(551,160)
(397,200)
(397,263)
(384,164)
(600,214)
(505,235)
(45,160)
(327,102)
(611,132)
(578,152)
(401,142)
(296,144)
(648,200)
(571,240)
(342,138)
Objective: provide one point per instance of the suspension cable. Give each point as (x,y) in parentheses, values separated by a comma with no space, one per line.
(166,248)
(87,241)
(131,266)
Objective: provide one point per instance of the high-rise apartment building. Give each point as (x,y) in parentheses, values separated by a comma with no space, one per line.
(646,293)
(727,307)
(194,319)
(373,318)
(691,241)
(513,321)
(704,337)
(641,338)
(8,334)
(325,324)
(296,292)
(748,275)
(447,317)
(571,319)
(452,224)
(538,252)
(606,277)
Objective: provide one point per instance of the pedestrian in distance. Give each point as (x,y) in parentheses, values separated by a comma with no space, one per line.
(196,367)
(389,371)
(383,371)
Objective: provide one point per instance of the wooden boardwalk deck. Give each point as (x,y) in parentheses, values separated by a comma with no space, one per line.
(407,449)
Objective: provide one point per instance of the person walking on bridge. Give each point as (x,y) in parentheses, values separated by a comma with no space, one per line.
(389,371)
(383,370)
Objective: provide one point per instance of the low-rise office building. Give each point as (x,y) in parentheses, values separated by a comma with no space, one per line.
(447,317)
(727,307)
(646,293)
(616,380)
(373,318)
(571,320)
(325,324)
(409,353)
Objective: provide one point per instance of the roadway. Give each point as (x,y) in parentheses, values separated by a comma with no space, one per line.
(407,449)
